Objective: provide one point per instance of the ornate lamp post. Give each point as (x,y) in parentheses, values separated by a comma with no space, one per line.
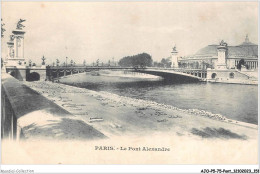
(57,62)
(66,61)
(43,59)
(97,62)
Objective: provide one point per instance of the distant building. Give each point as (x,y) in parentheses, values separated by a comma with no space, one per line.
(217,56)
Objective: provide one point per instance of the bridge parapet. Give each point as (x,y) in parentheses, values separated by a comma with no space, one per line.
(196,73)
(55,72)
(27,114)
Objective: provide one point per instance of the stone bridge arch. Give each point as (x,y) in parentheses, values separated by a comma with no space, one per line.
(36,75)
(33,76)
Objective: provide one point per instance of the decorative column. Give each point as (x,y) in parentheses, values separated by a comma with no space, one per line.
(10,45)
(174,57)
(222,55)
(16,45)
(10,53)
(43,62)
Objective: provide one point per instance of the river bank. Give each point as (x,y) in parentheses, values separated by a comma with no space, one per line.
(190,136)
(115,115)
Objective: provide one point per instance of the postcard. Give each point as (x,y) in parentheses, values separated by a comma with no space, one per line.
(129,83)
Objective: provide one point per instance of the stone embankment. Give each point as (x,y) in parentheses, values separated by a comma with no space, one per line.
(47,112)
(29,115)
(115,115)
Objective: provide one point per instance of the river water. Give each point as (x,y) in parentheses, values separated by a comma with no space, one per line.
(238,102)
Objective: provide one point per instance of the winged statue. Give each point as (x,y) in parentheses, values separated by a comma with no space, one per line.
(20,25)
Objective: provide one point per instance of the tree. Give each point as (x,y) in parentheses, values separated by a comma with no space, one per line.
(2,28)
(2,35)
(141,60)
(166,62)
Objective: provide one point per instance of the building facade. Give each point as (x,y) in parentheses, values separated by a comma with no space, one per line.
(214,57)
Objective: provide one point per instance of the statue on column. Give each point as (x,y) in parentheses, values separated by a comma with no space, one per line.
(174,48)
(222,43)
(20,26)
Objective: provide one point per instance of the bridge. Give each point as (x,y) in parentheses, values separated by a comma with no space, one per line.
(55,72)
(174,74)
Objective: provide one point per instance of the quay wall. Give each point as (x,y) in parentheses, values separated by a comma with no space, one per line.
(19,74)
(26,114)
(28,74)
(231,75)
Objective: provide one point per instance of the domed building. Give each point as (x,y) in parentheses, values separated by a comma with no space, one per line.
(207,57)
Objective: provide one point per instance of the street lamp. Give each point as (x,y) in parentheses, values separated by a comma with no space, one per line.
(97,62)
(57,61)
(43,59)
(66,61)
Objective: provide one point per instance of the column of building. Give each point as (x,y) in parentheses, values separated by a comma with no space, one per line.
(222,55)
(15,46)
(174,58)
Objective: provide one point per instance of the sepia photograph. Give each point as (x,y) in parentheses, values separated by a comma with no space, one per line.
(129,83)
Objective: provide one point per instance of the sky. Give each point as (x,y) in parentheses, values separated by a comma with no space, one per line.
(103,30)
